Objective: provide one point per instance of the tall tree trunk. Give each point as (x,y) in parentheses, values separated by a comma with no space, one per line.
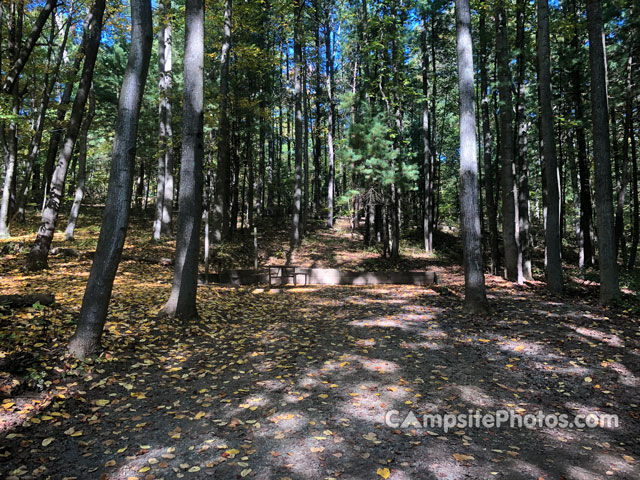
(86,339)
(8,190)
(435,162)
(82,169)
(607,262)
(475,298)
(317,147)
(306,108)
(182,301)
(521,142)
(552,229)
(65,99)
(140,185)
(330,121)
(235,185)
(635,237)
(7,205)
(585,247)
(510,220)
(221,193)
(297,75)
(37,257)
(427,156)
(623,176)
(487,151)
(251,175)
(164,196)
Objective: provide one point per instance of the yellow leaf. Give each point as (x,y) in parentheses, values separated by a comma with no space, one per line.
(199,415)
(383,472)
(47,441)
(102,403)
(245,472)
(231,453)
(588,380)
(194,469)
(460,457)
(144,469)
(110,463)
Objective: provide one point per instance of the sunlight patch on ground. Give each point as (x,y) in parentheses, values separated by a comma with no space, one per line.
(608,338)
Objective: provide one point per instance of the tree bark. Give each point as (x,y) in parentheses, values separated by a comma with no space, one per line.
(585,247)
(521,142)
(65,99)
(164,196)
(475,295)
(552,228)
(37,257)
(7,205)
(510,220)
(607,262)
(623,175)
(330,122)
(182,301)
(317,146)
(297,66)
(427,155)
(82,169)
(487,151)
(86,339)
(221,194)
(635,237)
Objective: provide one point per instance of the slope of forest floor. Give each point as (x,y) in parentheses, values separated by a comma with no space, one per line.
(295,382)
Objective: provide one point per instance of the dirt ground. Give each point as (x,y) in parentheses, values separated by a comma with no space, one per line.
(296,382)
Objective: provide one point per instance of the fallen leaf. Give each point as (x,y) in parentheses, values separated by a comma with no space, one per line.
(460,457)
(383,472)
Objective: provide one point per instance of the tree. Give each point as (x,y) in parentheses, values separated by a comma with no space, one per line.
(585,246)
(609,289)
(427,156)
(182,301)
(24,53)
(510,220)
(37,257)
(552,230)
(164,196)
(223,169)
(475,296)
(522,123)
(82,169)
(86,339)
(330,121)
(296,231)
(49,82)
(487,150)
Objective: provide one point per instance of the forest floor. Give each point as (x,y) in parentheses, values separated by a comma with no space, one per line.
(296,382)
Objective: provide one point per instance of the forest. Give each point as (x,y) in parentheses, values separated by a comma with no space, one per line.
(238,237)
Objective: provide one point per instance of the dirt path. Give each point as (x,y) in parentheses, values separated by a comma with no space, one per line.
(297,384)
